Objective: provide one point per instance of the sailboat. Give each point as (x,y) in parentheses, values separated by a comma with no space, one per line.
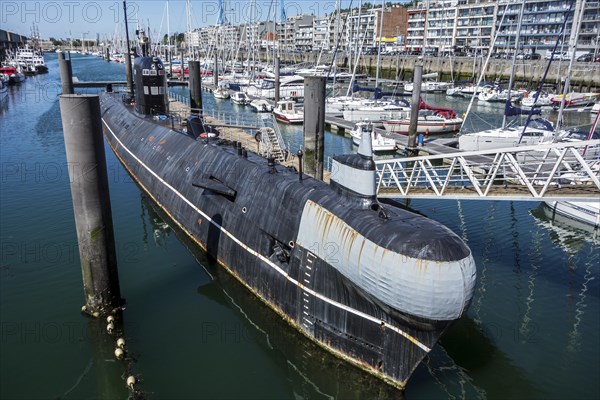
(429,86)
(431,120)
(535,131)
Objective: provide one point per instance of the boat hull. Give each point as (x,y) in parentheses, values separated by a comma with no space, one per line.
(288,118)
(424,126)
(583,211)
(502,138)
(307,289)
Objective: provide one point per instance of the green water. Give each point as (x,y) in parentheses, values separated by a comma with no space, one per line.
(193,332)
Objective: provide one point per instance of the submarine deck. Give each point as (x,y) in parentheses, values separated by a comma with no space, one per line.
(233,133)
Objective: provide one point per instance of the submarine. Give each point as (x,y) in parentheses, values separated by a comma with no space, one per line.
(374,284)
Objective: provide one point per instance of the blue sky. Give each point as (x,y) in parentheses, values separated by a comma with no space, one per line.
(63,18)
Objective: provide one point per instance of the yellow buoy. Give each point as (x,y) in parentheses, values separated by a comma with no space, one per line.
(120,343)
(110,328)
(130,381)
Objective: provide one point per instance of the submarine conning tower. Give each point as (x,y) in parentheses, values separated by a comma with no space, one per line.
(353,175)
(150,86)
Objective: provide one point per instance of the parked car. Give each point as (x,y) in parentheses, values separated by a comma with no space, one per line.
(558,56)
(565,56)
(586,57)
(532,56)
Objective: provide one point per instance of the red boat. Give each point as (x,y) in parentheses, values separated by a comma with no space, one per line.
(14,75)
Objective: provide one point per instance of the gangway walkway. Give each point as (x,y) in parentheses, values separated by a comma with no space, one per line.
(557,171)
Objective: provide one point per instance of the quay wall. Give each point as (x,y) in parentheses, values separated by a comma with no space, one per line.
(585,77)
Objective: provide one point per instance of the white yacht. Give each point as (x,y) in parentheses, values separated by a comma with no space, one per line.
(221,93)
(289,87)
(583,211)
(240,98)
(543,100)
(378,141)
(429,122)
(260,105)
(376,112)
(537,132)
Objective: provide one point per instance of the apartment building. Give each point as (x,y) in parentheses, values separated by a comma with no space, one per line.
(365,28)
(417,17)
(474,25)
(589,32)
(470,25)
(441,25)
(296,30)
(303,38)
(321,33)
(222,36)
(433,25)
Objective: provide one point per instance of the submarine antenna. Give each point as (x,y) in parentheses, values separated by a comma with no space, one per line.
(128,58)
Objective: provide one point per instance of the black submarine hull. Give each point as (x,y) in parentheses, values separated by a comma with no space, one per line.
(247,215)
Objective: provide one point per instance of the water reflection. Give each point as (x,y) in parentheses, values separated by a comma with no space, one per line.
(489,246)
(569,234)
(487,365)
(535,260)
(159,230)
(312,372)
(576,239)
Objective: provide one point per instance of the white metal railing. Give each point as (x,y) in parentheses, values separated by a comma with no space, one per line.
(558,171)
(271,141)
(230,118)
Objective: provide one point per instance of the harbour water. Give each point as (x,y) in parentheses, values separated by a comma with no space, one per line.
(193,332)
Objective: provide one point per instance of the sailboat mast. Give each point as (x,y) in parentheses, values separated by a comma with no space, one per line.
(358,50)
(128,69)
(168,34)
(514,59)
(483,69)
(188,13)
(379,48)
(576,25)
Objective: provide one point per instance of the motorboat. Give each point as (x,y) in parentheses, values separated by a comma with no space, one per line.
(379,142)
(240,98)
(14,74)
(260,105)
(575,101)
(583,211)
(221,93)
(289,112)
